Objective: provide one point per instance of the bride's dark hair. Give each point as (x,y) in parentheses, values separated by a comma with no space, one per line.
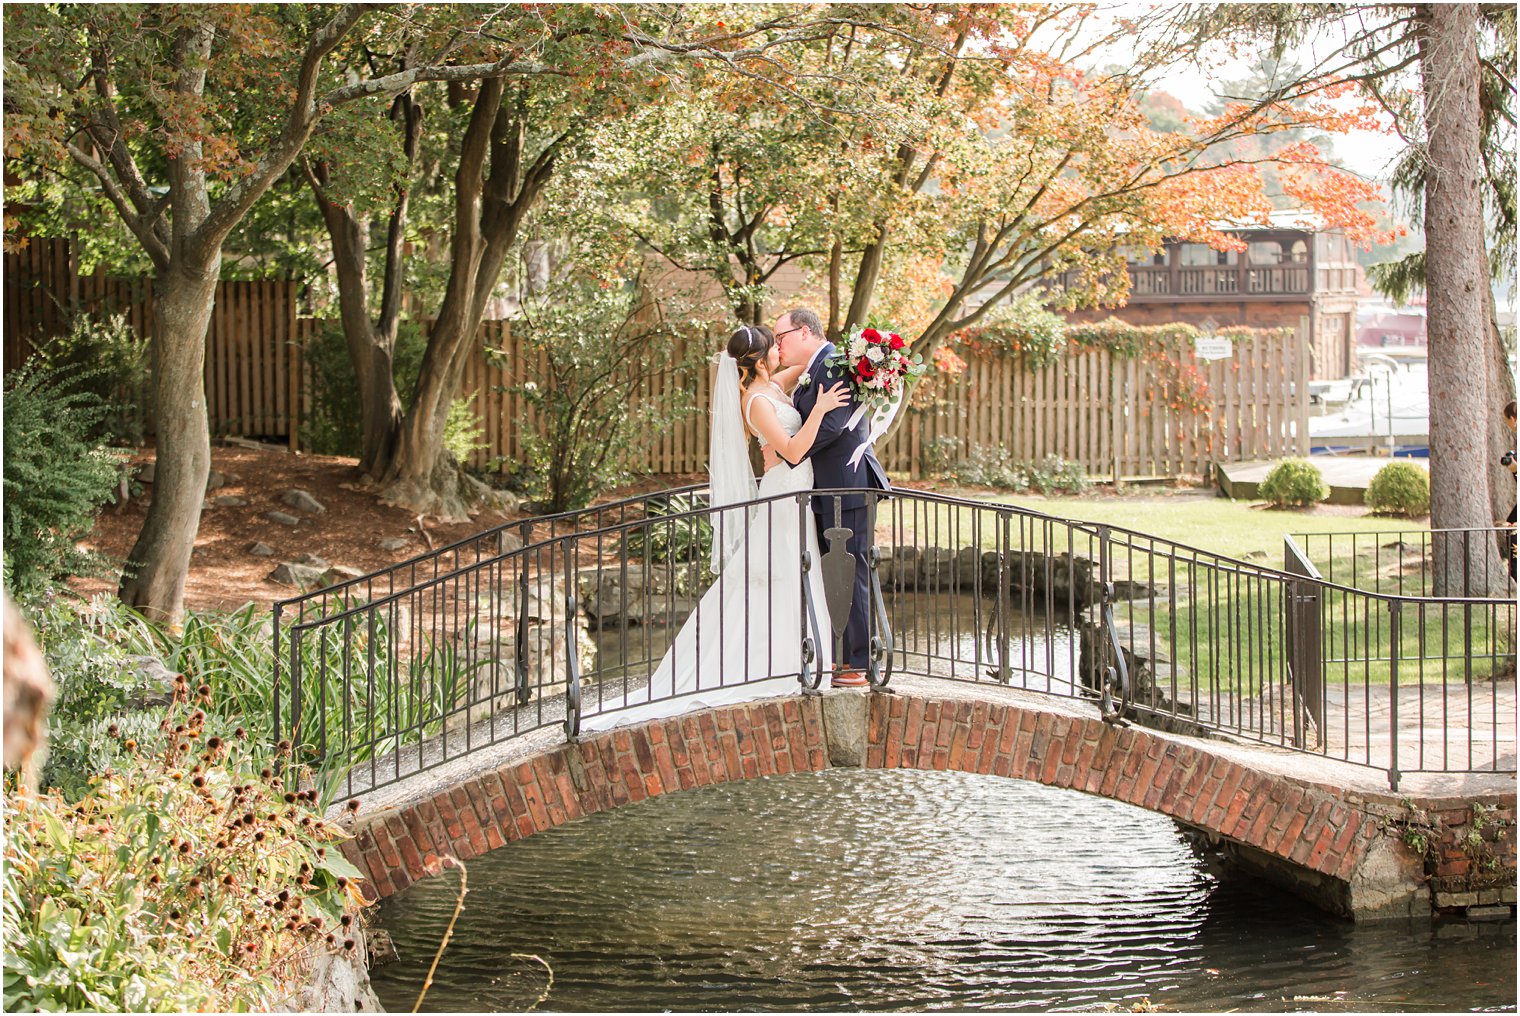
(748,346)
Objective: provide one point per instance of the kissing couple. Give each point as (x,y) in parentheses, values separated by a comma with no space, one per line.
(744,639)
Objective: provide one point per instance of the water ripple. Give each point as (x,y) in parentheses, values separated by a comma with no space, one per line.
(905,891)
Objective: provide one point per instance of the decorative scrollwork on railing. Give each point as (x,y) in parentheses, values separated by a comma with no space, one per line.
(810,676)
(1114,698)
(572,673)
(879,663)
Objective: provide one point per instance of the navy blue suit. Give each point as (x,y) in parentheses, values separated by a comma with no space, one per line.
(830,455)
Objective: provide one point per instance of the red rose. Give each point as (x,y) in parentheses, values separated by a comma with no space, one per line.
(897,341)
(871,335)
(864,369)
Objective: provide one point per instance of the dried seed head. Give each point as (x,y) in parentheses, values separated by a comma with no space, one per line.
(353,805)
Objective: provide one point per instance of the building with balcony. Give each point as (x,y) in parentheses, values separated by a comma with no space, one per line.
(1287,274)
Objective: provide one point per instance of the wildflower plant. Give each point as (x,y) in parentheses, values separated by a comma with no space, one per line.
(189,878)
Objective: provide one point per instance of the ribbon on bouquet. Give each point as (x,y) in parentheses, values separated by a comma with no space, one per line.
(881,420)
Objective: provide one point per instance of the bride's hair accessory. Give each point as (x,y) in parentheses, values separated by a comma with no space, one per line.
(748,346)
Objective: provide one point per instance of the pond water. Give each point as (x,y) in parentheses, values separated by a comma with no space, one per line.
(871,890)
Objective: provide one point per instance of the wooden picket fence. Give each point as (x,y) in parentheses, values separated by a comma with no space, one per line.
(1104,411)
(253,347)
(1092,408)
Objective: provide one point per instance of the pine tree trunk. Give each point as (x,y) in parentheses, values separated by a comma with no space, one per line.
(1456,275)
(1501,389)
(154,578)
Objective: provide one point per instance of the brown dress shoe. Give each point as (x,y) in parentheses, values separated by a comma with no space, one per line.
(849,679)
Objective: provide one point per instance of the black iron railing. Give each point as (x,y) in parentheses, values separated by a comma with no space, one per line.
(562,622)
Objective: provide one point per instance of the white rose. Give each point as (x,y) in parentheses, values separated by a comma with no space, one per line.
(531,386)
(857,348)
(805,380)
(874,354)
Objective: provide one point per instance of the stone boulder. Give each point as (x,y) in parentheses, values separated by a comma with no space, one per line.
(302,501)
(337,575)
(490,656)
(283,518)
(150,682)
(615,597)
(302,576)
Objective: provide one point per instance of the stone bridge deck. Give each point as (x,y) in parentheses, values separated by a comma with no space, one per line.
(1329,829)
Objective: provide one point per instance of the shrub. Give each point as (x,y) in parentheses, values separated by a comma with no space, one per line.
(1293,483)
(330,425)
(55,475)
(108,359)
(1055,475)
(1399,488)
(463,433)
(941,454)
(187,880)
(679,540)
(992,466)
(588,355)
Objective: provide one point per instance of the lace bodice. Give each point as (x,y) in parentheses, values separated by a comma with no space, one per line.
(786,413)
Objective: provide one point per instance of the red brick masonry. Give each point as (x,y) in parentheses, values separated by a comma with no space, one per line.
(1313,828)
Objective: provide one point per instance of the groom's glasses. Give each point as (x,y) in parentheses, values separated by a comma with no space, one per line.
(788,332)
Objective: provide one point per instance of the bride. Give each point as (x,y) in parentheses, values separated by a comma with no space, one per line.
(744,639)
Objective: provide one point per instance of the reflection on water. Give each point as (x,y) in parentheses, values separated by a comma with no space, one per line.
(855,889)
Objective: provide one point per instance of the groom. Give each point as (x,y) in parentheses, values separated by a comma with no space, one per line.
(800,342)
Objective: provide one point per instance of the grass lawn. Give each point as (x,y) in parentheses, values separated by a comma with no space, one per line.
(1232,528)
(1222,626)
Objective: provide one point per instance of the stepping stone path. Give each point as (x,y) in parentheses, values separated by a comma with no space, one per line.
(302,501)
(282,518)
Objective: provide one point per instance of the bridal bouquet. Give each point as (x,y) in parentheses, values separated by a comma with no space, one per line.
(878,366)
(880,370)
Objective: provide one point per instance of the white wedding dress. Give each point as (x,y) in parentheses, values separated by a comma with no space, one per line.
(744,639)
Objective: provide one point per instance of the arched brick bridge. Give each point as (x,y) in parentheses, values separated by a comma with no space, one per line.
(1299,821)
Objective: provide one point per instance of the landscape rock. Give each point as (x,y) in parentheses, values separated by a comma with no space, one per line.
(229,501)
(337,575)
(258,549)
(151,682)
(395,543)
(147,472)
(508,541)
(313,561)
(282,518)
(214,480)
(302,576)
(243,442)
(302,501)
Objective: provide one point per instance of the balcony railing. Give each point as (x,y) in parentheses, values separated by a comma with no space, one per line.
(1150,283)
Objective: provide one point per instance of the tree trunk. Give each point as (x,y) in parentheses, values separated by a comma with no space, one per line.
(1501,389)
(1456,275)
(371,348)
(421,475)
(154,578)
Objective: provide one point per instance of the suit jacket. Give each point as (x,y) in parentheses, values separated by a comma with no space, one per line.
(834,445)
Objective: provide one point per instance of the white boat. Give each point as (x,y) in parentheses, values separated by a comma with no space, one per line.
(1387,406)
